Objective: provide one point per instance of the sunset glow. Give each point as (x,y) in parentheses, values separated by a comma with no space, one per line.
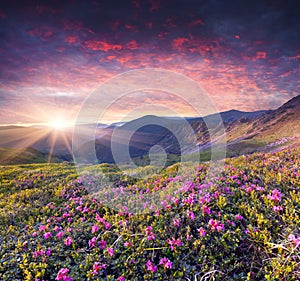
(55,54)
(59,124)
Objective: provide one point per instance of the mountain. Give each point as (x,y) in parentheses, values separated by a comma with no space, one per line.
(246,132)
(175,135)
(280,127)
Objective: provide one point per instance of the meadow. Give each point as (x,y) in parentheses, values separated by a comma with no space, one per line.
(241,224)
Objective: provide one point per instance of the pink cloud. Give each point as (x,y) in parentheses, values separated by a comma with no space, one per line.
(132,45)
(44,33)
(97,45)
(71,39)
(261,55)
(196,22)
(178,42)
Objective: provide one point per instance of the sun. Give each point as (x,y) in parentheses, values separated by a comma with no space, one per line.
(59,124)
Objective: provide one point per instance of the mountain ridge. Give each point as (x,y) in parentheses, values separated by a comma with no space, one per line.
(246,132)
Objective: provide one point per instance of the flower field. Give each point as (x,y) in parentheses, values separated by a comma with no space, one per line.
(242,224)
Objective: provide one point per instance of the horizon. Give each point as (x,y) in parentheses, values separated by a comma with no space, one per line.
(71,124)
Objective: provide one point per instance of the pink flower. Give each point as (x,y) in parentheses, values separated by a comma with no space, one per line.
(176,222)
(166,263)
(277,209)
(110,251)
(202,231)
(47,235)
(60,234)
(36,254)
(174,243)
(57,228)
(107,225)
(97,267)
(102,244)
(238,217)
(215,225)
(128,244)
(34,234)
(205,209)
(149,233)
(68,241)
(121,278)
(295,240)
(148,230)
(65,215)
(42,227)
(92,242)
(99,218)
(62,275)
(95,228)
(48,252)
(151,267)
(276,196)
(190,215)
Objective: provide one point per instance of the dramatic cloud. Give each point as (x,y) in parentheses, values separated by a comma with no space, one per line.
(245,54)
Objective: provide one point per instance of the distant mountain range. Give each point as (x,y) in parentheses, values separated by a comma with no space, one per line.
(246,132)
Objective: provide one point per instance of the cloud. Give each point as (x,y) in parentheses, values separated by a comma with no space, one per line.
(44,33)
(177,43)
(97,45)
(261,55)
(237,51)
(132,45)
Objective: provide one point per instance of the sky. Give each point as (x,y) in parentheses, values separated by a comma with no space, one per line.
(54,54)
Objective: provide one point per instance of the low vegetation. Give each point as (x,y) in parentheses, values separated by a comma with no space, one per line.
(240,224)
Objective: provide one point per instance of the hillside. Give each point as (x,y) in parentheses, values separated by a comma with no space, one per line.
(241,224)
(280,126)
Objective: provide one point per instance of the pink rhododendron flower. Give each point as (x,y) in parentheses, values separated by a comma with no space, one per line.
(238,217)
(174,243)
(97,266)
(202,231)
(60,234)
(128,244)
(92,242)
(176,222)
(102,244)
(95,228)
(121,278)
(47,235)
(295,240)
(205,209)
(190,215)
(277,209)
(68,241)
(149,233)
(110,251)
(62,275)
(42,227)
(107,225)
(276,195)
(99,218)
(151,267)
(166,263)
(215,225)
(57,228)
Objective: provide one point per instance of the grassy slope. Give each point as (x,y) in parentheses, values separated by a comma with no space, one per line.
(256,248)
